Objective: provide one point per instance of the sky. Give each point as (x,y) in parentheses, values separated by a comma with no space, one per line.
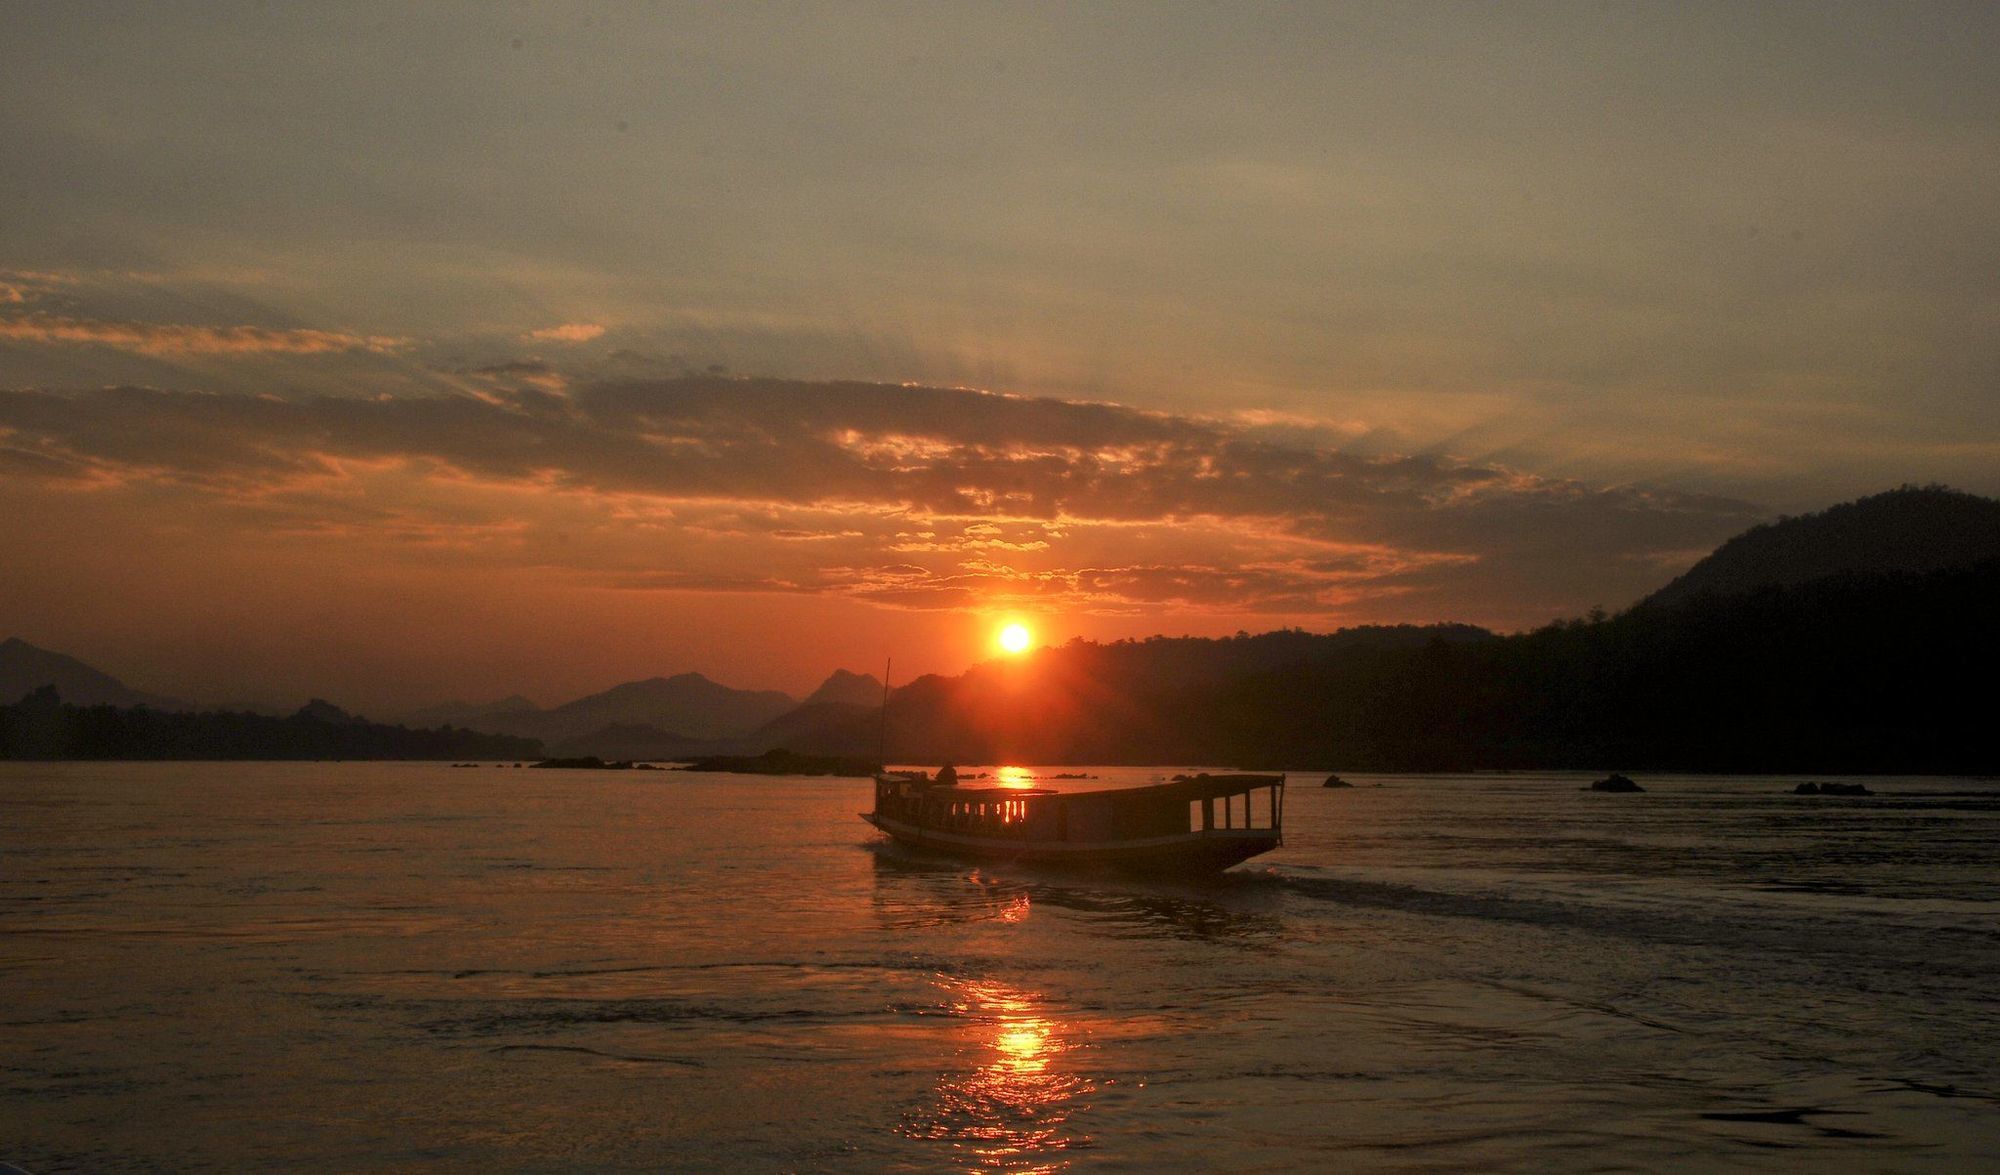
(396,353)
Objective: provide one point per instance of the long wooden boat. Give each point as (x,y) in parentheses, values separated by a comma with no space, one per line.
(1196,824)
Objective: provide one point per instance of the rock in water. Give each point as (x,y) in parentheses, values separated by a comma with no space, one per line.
(1614,782)
(1810,788)
(1335,781)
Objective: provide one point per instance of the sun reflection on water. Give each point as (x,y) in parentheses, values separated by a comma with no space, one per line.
(1013,777)
(1011,1111)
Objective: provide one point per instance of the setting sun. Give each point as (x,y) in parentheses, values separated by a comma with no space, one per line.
(1015,638)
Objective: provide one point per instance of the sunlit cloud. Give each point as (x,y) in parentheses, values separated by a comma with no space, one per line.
(568,332)
(182,339)
(905,497)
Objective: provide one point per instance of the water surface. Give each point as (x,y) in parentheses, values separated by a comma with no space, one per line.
(364,966)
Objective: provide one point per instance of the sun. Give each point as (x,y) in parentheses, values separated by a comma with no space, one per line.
(1015,638)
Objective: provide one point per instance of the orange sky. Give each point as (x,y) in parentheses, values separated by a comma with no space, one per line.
(396,354)
(555,536)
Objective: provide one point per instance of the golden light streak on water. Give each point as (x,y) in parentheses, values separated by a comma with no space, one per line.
(1013,777)
(1012,1110)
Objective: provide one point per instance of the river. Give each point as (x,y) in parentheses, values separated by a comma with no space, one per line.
(370,966)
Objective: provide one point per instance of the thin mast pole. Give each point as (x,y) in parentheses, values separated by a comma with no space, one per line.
(882,743)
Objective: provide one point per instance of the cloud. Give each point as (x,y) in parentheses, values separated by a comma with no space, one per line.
(914,497)
(26,285)
(179,339)
(568,332)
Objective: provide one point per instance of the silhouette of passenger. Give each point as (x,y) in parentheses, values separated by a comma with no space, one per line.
(948,775)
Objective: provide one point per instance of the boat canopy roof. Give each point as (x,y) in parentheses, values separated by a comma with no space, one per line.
(1194,787)
(1201,787)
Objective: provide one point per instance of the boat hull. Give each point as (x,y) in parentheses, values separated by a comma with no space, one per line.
(1208,851)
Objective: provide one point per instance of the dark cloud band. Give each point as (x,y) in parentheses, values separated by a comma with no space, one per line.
(1028,499)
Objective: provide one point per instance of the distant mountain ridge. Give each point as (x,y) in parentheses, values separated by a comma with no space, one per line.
(1128,701)
(24,668)
(1843,674)
(1854,639)
(44,726)
(847,688)
(467,714)
(1909,531)
(843,694)
(1836,641)
(658,717)
(686,703)
(685,708)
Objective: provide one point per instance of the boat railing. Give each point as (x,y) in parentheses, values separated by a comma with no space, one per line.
(1226,805)
(1256,803)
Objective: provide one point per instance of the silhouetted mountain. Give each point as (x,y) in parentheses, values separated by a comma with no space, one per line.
(467,714)
(853,689)
(1843,674)
(25,668)
(321,710)
(1848,673)
(1132,701)
(43,726)
(637,741)
(687,704)
(1858,639)
(1910,530)
(271,711)
(818,724)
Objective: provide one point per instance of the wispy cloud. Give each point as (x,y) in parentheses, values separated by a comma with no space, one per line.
(147,338)
(568,332)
